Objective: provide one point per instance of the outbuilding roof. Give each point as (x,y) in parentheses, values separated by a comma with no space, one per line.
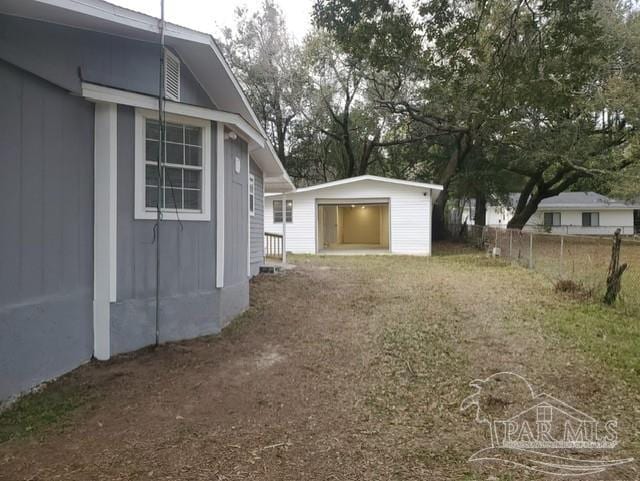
(375,178)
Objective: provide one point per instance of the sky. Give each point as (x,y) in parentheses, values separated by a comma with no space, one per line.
(211,16)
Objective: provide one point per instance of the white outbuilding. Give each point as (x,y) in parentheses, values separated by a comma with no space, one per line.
(359,215)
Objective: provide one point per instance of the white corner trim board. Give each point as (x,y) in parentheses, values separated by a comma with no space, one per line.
(249,215)
(104,226)
(220,205)
(113,202)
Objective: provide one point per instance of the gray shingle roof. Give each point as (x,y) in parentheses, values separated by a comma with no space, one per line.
(569,200)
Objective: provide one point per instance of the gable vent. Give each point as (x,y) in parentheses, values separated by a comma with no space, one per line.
(172,76)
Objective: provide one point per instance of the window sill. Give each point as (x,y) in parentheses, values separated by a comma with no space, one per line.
(172,215)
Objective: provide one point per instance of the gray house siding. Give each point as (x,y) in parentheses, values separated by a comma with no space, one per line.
(47,211)
(67,56)
(189,305)
(46,245)
(257,221)
(235,296)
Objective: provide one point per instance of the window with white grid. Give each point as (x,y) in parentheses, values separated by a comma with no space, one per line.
(183,176)
(277,211)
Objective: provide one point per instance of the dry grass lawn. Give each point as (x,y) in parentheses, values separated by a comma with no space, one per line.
(583,259)
(346,368)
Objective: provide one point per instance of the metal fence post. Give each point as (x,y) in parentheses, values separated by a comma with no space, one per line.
(531,250)
(562,255)
(510,244)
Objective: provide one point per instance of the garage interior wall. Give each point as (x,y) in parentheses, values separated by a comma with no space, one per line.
(358,224)
(384,226)
(361,224)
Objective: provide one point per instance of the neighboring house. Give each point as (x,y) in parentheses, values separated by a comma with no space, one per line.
(586,213)
(365,214)
(496,215)
(79,81)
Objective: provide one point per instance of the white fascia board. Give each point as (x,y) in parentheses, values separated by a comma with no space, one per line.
(99,93)
(114,14)
(285,176)
(278,185)
(276,178)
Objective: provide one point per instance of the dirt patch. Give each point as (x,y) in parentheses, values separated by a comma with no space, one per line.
(346,368)
(268,358)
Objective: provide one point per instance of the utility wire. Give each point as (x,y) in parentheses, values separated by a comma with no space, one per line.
(162,152)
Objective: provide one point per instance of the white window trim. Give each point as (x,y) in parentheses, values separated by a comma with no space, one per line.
(552,213)
(252,192)
(284,211)
(273,211)
(591,215)
(142,212)
(98,93)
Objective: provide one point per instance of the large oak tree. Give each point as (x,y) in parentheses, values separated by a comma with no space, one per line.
(525,82)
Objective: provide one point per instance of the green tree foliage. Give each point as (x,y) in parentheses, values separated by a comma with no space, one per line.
(341,103)
(530,93)
(316,100)
(268,63)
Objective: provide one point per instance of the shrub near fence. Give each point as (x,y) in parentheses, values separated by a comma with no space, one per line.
(581,259)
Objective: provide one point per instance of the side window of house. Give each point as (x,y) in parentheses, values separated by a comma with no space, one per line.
(181,173)
(289,211)
(590,219)
(252,194)
(179,184)
(552,219)
(277,211)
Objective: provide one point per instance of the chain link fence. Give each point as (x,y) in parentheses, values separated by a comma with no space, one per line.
(578,258)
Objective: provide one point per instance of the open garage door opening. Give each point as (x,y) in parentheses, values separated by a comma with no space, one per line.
(353,228)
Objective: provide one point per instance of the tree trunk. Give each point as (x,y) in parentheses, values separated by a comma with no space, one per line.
(616,270)
(520,218)
(537,189)
(460,151)
(438,225)
(480,215)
